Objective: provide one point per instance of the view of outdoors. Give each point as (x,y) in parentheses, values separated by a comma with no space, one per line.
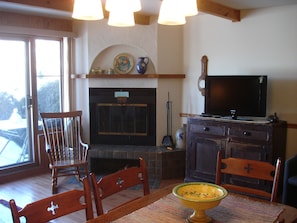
(48,70)
(16,87)
(13,124)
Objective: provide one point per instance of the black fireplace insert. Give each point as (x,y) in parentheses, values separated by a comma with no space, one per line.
(123,116)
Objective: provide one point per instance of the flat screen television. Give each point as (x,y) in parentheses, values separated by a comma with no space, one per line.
(246,95)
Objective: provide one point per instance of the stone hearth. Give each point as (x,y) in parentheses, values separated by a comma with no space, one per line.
(161,162)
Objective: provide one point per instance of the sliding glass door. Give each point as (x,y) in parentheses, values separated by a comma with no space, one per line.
(31,81)
(14,110)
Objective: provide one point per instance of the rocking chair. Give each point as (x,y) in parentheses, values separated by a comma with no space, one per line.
(66,152)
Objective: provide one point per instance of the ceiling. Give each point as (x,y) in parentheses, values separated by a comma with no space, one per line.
(149,7)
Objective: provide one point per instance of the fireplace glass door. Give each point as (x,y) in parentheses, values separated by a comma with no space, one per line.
(122,119)
(125,116)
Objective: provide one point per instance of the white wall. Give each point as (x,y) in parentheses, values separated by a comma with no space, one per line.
(264,42)
(170,49)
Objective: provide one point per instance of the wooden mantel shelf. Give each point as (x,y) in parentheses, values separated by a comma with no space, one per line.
(112,76)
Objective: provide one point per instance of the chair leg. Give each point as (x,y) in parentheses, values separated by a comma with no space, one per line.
(54,181)
(78,174)
(86,170)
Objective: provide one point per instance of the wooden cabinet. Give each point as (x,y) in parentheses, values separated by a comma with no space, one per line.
(257,140)
(204,139)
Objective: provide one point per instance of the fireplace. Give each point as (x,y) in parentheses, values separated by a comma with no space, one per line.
(124,125)
(123,116)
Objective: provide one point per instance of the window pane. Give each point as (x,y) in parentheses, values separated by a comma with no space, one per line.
(48,68)
(14,146)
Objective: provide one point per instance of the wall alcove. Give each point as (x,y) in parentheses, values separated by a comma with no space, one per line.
(104,60)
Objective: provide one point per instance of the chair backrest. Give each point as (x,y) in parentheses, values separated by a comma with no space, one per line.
(118,181)
(62,132)
(259,170)
(56,206)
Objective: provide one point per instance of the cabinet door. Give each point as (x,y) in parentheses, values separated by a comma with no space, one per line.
(246,151)
(202,158)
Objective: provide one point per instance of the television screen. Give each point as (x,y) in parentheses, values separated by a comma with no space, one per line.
(244,94)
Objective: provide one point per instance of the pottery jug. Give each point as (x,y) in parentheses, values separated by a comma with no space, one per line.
(142,64)
(180,138)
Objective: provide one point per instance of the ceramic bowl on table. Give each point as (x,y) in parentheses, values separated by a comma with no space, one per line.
(199,196)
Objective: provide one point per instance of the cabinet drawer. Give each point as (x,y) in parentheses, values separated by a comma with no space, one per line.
(208,129)
(248,134)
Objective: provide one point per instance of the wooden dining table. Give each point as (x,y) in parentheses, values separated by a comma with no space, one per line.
(163,206)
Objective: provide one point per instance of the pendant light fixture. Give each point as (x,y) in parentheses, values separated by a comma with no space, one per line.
(121,18)
(190,7)
(87,10)
(171,13)
(174,12)
(121,13)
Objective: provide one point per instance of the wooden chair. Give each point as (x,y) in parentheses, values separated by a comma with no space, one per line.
(252,169)
(66,152)
(55,206)
(118,181)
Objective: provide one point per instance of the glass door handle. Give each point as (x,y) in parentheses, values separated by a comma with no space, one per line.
(29,101)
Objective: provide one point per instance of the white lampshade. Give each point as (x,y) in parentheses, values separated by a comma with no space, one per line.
(121,18)
(133,5)
(171,13)
(190,7)
(87,10)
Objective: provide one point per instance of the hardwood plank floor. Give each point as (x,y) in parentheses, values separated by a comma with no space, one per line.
(30,189)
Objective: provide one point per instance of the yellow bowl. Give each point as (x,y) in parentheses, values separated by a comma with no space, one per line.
(199,196)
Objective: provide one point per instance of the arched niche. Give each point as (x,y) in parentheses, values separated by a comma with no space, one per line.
(104,60)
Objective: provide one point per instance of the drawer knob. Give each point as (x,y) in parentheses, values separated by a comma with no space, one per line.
(206,129)
(245,133)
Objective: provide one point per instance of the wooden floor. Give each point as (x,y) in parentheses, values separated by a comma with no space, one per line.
(35,188)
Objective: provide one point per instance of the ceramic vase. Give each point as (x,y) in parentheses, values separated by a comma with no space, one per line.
(180,138)
(141,65)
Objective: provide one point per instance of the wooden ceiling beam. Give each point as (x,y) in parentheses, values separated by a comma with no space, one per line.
(35,22)
(63,5)
(217,9)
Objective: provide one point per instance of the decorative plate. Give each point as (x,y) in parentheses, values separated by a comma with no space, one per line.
(123,63)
